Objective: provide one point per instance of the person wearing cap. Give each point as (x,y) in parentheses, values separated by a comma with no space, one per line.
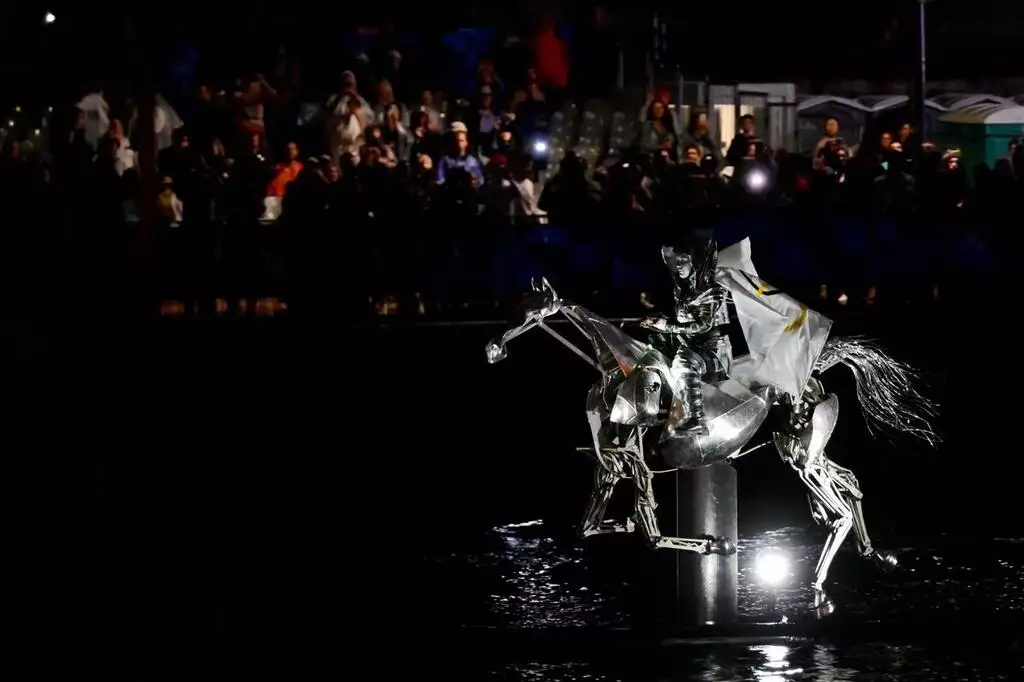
(460,157)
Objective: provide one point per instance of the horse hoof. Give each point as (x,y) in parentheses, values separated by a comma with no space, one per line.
(885,560)
(823,605)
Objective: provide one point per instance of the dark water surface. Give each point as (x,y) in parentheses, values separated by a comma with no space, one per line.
(212,498)
(530,578)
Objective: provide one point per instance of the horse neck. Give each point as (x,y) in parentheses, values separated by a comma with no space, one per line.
(594,328)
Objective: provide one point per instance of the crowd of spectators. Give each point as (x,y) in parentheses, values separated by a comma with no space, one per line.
(387,190)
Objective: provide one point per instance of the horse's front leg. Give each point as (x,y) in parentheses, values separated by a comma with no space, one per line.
(593,521)
(648,520)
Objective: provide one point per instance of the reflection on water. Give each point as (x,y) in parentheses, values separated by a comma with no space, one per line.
(545,581)
(537,580)
(800,662)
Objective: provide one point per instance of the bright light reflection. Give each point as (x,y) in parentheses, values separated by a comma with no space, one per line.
(772,567)
(757,180)
(49,18)
(776,666)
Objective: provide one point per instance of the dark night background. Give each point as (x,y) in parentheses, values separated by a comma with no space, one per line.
(745,41)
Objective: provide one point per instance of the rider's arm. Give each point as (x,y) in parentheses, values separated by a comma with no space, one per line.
(701,324)
(658,323)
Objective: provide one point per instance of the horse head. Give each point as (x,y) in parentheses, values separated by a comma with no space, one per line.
(541,302)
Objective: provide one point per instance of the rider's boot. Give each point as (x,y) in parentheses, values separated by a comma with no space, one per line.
(694,396)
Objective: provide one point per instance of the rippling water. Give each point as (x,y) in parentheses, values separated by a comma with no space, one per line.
(789,662)
(533,576)
(548,581)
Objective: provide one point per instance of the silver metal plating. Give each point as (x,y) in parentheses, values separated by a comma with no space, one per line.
(683,402)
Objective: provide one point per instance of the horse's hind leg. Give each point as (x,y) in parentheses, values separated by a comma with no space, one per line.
(832,509)
(593,521)
(850,488)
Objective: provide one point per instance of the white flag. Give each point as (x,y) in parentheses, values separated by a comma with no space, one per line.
(784,336)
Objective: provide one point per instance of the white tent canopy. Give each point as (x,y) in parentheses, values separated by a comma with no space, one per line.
(958,100)
(878,103)
(987,114)
(808,103)
(811,111)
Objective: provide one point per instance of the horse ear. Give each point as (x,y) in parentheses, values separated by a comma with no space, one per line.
(533,284)
(545,285)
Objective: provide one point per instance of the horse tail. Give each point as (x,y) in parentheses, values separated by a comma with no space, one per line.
(886,388)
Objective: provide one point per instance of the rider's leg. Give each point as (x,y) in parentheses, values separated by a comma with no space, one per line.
(720,348)
(688,368)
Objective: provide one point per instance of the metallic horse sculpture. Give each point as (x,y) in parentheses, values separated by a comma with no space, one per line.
(639,398)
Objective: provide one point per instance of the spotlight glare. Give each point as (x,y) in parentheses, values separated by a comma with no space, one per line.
(756,180)
(49,18)
(772,567)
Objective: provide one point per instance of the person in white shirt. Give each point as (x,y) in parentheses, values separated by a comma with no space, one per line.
(337,104)
(124,155)
(529,194)
(348,134)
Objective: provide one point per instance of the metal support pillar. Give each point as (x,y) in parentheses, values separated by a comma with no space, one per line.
(921,76)
(140,38)
(706,587)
